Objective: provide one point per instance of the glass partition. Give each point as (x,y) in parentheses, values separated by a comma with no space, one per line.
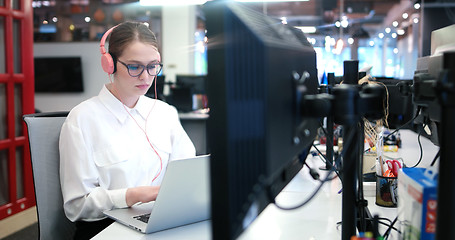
(4,180)
(17,46)
(19,172)
(3,118)
(18,110)
(2,46)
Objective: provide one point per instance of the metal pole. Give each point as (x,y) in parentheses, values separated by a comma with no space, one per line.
(351,154)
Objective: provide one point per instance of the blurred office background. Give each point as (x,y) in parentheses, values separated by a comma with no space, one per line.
(386,36)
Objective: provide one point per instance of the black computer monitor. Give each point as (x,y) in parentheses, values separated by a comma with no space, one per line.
(400,106)
(255,130)
(197,83)
(58,74)
(160,82)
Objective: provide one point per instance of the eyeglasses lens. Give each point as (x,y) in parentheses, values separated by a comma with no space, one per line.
(136,70)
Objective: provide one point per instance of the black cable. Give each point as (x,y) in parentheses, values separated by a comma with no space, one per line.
(308,199)
(421,151)
(383,223)
(314,174)
(323,129)
(404,125)
(320,153)
(349,140)
(435,157)
(325,160)
(388,225)
(386,234)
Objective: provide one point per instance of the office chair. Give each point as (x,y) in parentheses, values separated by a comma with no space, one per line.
(43,134)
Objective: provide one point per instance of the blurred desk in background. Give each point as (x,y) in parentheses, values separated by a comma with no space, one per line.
(195,125)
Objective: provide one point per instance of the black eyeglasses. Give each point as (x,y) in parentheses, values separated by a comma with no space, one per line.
(135,70)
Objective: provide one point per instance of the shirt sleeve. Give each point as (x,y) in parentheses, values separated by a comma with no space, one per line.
(83,198)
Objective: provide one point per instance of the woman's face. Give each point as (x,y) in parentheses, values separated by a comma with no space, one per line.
(130,88)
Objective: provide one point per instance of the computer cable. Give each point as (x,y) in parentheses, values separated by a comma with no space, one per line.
(322,157)
(314,174)
(387,232)
(399,128)
(421,150)
(435,157)
(308,199)
(389,224)
(349,140)
(405,124)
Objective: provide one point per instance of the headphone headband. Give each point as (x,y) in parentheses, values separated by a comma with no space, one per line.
(107,62)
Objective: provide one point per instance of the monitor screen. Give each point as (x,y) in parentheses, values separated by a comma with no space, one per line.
(159,83)
(58,74)
(197,83)
(400,107)
(259,70)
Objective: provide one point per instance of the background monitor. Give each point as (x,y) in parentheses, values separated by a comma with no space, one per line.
(255,130)
(401,108)
(197,83)
(58,74)
(159,88)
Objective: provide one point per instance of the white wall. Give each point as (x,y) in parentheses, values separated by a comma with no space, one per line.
(93,75)
(179,27)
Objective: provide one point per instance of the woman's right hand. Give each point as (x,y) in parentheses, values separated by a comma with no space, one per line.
(141,194)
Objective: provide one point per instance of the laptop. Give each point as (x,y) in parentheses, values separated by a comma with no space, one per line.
(184,198)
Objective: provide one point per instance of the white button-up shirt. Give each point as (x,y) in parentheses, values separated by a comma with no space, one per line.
(104,151)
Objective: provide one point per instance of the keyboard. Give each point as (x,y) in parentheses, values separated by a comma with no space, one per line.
(143,217)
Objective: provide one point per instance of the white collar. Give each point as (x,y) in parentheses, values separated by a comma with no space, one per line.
(119,109)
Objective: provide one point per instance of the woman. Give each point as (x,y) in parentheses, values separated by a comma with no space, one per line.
(114,148)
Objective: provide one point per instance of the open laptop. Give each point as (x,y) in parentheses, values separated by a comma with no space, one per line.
(184,198)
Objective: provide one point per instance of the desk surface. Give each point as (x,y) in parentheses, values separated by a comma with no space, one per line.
(316,220)
(193,115)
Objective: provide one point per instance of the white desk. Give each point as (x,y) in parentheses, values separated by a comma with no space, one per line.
(316,220)
(195,125)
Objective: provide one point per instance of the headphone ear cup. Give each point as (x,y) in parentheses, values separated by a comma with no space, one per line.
(107,63)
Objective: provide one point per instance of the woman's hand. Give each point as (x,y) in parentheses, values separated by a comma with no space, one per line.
(141,194)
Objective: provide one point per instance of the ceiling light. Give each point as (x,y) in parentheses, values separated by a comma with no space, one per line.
(400,32)
(344,22)
(395,23)
(339,46)
(171,2)
(417,6)
(395,50)
(351,40)
(272,0)
(284,20)
(405,15)
(199,2)
(387,30)
(312,40)
(416,20)
(394,35)
(337,24)
(371,43)
(307,29)
(381,35)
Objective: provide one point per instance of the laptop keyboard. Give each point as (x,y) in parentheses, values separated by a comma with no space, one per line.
(143,217)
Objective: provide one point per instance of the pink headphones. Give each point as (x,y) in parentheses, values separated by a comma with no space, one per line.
(107,62)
